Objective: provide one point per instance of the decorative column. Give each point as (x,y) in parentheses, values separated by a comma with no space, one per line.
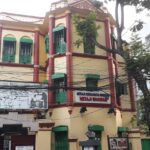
(110,62)
(118,100)
(51,59)
(43,136)
(69,59)
(132,92)
(36,56)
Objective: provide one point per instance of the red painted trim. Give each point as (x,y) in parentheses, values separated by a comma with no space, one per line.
(69,59)
(60,17)
(51,60)
(134,131)
(89,56)
(72,140)
(36,57)
(46,125)
(127,110)
(22,140)
(59,55)
(110,63)
(21,15)
(82,55)
(81,104)
(132,93)
(16,65)
(92,105)
(78,55)
(23,30)
(119,62)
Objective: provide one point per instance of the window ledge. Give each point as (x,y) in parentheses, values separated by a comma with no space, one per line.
(16,64)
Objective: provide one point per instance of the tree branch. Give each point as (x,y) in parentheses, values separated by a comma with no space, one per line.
(109,50)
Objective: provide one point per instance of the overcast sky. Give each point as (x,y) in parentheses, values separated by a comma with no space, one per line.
(40,7)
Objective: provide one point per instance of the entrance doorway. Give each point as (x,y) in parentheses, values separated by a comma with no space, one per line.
(16,137)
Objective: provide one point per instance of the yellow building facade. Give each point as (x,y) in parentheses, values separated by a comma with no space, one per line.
(87,88)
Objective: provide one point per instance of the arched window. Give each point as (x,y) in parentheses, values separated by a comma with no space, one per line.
(9,48)
(25,53)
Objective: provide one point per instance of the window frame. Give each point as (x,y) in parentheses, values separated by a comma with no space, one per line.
(93,78)
(60,94)
(59,132)
(9,56)
(59,34)
(25,44)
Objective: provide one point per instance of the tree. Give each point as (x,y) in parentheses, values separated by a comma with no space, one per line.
(137,59)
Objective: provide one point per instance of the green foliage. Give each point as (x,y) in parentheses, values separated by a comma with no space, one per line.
(139,56)
(85,27)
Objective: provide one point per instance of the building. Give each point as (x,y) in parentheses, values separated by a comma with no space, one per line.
(62,90)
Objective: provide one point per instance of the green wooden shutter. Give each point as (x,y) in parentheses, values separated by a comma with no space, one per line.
(9,49)
(61,138)
(47,44)
(25,50)
(60,81)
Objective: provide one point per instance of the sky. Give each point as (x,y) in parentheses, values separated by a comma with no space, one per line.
(40,7)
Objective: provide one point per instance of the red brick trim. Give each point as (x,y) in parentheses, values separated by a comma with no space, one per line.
(16,65)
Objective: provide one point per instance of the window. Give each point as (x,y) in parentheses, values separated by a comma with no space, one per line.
(47,43)
(121,88)
(60,138)
(97,129)
(9,49)
(25,54)
(92,81)
(89,46)
(60,84)
(60,39)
